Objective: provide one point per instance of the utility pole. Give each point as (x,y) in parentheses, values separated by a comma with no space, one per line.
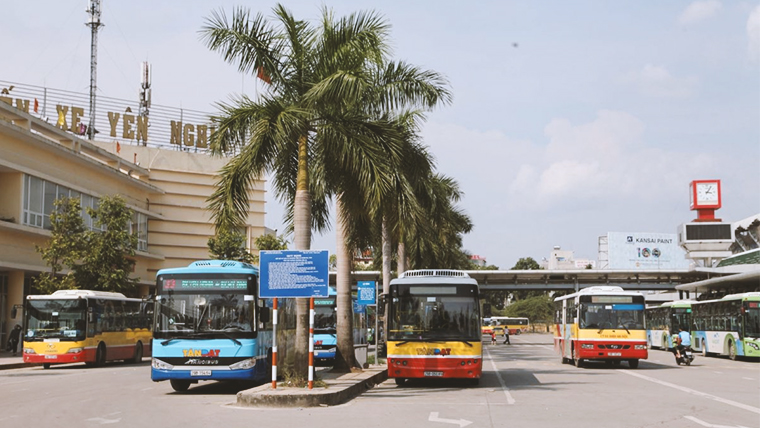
(94,25)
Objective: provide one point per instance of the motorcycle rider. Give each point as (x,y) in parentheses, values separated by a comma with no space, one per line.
(683,341)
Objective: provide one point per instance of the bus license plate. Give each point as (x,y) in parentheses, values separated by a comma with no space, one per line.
(200,372)
(51,357)
(434,374)
(614,354)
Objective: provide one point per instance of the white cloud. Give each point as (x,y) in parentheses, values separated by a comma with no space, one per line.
(699,11)
(753,34)
(656,81)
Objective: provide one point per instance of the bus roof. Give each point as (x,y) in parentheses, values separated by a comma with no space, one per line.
(602,290)
(80,294)
(213,266)
(752,295)
(434,276)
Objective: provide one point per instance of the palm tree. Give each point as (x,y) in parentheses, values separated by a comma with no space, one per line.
(311,70)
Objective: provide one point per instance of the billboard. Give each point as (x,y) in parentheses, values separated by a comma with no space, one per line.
(645,251)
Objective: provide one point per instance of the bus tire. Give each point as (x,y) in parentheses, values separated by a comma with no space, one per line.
(45,366)
(634,364)
(731,350)
(577,361)
(100,355)
(179,385)
(400,381)
(137,359)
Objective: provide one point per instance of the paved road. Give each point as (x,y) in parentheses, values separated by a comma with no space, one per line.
(524,385)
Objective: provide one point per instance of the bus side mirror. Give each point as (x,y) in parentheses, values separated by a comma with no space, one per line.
(264,315)
(14,311)
(381,303)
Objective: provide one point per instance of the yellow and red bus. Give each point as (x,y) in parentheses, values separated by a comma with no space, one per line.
(84,326)
(514,325)
(434,326)
(603,323)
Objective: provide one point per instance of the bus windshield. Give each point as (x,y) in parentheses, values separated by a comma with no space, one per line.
(752,317)
(324,315)
(429,316)
(206,314)
(611,315)
(56,319)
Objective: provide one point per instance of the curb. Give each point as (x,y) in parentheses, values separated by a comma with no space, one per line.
(264,396)
(17,366)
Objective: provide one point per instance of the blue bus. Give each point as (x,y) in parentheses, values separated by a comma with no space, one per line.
(325,333)
(209,324)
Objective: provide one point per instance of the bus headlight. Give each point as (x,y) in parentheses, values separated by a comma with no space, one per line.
(160,365)
(29,351)
(587,346)
(75,350)
(639,346)
(242,365)
(753,345)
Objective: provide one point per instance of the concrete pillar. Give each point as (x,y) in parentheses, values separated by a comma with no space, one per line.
(15,297)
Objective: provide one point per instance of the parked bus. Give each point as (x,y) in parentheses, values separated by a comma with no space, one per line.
(486,327)
(664,321)
(211,325)
(325,323)
(434,326)
(601,323)
(728,326)
(84,326)
(515,325)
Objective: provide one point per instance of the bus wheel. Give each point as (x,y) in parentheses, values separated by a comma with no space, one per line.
(45,365)
(400,381)
(138,353)
(732,351)
(100,355)
(180,385)
(577,361)
(633,363)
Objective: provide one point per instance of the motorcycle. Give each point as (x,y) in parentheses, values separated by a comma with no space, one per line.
(687,356)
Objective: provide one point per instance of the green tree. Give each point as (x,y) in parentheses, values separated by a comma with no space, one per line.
(526,263)
(537,308)
(64,248)
(229,245)
(107,263)
(312,71)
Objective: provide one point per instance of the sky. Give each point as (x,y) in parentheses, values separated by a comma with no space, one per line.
(569,120)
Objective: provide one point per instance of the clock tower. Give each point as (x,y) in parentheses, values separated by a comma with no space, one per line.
(706,239)
(705,198)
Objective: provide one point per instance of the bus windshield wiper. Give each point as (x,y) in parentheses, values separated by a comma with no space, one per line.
(169,340)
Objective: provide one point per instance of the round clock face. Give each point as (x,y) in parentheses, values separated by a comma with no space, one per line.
(707,193)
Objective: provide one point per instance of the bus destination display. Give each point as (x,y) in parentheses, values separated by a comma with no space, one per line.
(194,284)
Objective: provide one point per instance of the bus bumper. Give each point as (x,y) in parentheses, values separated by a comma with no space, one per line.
(446,367)
(612,350)
(67,358)
(161,371)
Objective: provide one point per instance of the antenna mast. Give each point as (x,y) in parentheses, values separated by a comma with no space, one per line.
(94,25)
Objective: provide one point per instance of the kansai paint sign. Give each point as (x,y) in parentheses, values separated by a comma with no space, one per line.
(645,251)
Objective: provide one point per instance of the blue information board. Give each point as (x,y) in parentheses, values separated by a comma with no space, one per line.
(293,273)
(365,292)
(358,307)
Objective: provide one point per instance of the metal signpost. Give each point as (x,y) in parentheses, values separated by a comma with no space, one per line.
(293,273)
(367,295)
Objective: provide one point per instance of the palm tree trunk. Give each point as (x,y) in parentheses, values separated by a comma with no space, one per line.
(401,262)
(302,241)
(386,236)
(344,358)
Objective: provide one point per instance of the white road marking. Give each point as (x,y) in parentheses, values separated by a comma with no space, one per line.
(709,425)
(510,399)
(461,422)
(104,421)
(693,391)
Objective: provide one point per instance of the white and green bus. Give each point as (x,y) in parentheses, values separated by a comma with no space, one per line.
(728,326)
(664,321)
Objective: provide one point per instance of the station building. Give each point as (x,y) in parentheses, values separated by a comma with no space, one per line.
(166,188)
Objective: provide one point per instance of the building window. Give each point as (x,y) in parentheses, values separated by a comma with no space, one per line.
(139,225)
(39,203)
